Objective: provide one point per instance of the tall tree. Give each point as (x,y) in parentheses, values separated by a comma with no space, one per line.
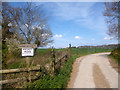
(28,23)
(112,13)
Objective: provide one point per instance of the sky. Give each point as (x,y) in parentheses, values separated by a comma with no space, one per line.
(76,23)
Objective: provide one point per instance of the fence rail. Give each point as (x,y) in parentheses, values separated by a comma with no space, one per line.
(20,70)
(12,80)
(23,75)
(10,71)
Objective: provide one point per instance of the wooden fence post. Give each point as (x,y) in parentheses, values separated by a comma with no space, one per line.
(28,66)
(53,59)
(69,45)
(68,51)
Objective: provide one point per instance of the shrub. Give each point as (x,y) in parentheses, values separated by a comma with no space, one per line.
(4,54)
(10,51)
(13,50)
(116,54)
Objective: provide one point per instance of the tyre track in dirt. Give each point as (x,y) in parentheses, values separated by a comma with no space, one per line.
(93,71)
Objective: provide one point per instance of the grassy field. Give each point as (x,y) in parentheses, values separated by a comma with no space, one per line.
(84,51)
(41,57)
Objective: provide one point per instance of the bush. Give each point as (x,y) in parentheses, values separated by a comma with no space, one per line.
(116,54)
(13,50)
(4,54)
(10,52)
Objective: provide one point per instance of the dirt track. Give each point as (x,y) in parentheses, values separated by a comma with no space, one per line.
(93,71)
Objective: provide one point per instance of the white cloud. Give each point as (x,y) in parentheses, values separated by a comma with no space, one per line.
(58,36)
(108,38)
(77,37)
(70,11)
(92,39)
(82,14)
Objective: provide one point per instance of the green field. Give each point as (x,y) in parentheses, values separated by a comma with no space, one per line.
(85,51)
(43,56)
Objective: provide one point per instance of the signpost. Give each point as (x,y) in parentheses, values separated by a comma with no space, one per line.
(28,50)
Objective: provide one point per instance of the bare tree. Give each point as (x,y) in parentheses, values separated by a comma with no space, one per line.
(112,16)
(42,35)
(29,23)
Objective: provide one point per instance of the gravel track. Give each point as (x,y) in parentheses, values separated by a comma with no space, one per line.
(93,71)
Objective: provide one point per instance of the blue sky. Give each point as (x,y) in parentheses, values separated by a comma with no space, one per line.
(76,23)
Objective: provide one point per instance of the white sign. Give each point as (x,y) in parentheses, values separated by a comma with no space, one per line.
(27,51)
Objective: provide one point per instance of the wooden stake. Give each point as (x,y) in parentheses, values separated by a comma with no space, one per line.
(53,59)
(28,66)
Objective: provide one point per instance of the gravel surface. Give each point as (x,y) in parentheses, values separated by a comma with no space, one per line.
(92,71)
